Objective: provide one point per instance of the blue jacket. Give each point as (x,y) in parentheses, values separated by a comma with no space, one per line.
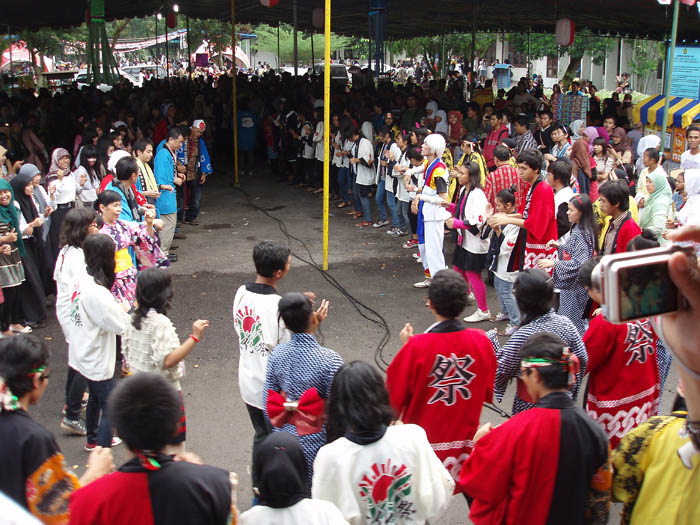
(164,170)
(203,162)
(126,214)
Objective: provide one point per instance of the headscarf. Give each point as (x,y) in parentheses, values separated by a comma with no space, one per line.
(576,127)
(625,144)
(10,215)
(280,469)
(367,131)
(659,200)
(432,105)
(456,131)
(602,132)
(690,212)
(646,142)
(26,204)
(580,158)
(57,154)
(592,134)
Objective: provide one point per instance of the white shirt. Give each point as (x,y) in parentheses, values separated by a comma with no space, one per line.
(475,215)
(95,318)
(318,141)
(510,237)
(66,189)
(259,330)
(689,161)
(401,160)
(70,267)
(305,512)
(343,470)
(365,174)
(306,131)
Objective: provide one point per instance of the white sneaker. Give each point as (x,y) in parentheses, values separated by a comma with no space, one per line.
(477,316)
(415,255)
(422,284)
(419,260)
(510,329)
(500,317)
(392,231)
(380,224)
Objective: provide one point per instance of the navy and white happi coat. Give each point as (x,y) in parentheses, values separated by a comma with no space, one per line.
(573,297)
(294,368)
(509,355)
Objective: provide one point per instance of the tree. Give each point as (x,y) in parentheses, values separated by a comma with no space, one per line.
(544,45)
(645,59)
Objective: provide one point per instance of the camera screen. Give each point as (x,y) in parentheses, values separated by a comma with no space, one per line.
(645,291)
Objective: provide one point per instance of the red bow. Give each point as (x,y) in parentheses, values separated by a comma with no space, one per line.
(307,414)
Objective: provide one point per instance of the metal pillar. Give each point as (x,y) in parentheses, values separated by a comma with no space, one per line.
(233,94)
(167,53)
(157,48)
(326,128)
(669,71)
(278,46)
(296,51)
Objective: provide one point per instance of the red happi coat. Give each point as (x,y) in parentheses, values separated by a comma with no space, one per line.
(623,388)
(440,380)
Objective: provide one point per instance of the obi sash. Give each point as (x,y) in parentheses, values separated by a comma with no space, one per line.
(306,414)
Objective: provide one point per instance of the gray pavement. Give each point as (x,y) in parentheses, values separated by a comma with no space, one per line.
(216,259)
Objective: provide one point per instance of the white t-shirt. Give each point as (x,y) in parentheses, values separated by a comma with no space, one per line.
(359,478)
(306,512)
(255,318)
(94,320)
(318,142)
(70,267)
(306,132)
(510,237)
(689,161)
(365,174)
(475,215)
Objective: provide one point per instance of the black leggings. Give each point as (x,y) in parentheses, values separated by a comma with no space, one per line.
(9,310)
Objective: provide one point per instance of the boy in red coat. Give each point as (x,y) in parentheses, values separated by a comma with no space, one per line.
(440,379)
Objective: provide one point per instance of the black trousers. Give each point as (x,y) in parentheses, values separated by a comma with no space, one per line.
(10,309)
(31,292)
(262,428)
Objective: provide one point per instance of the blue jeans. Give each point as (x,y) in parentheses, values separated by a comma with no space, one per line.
(379,197)
(507,300)
(195,190)
(391,202)
(357,203)
(404,220)
(345,184)
(99,392)
(363,191)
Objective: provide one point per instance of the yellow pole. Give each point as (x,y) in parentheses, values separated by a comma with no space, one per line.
(233,101)
(326,129)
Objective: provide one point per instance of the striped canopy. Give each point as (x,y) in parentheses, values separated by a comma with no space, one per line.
(681,111)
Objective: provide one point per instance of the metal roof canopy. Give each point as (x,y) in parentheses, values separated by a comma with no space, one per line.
(406,18)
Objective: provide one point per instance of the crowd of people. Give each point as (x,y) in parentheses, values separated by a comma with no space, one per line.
(520,200)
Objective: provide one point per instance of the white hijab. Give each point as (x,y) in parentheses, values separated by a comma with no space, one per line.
(690,212)
(646,142)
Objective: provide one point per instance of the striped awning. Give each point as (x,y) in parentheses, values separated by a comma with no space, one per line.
(681,111)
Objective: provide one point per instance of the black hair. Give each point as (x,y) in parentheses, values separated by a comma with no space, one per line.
(671,182)
(534,292)
(605,117)
(522,120)
(474,175)
(90,151)
(413,154)
(646,239)
(270,256)
(358,402)
(616,192)
(600,141)
(498,115)
(295,309)
(384,130)
(587,223)
(652,154)
(145,407)
(99,258)
(448,293)
(88,135)
(19,355)
(506,196)
(585,273)
(106,198)
(76,227)
(561,171)
(546,345)
(692,127)
(154,289)
(545,112)
(501,153)
(126,167)
(173,133)
(140,144)
(114,135)
(531,157)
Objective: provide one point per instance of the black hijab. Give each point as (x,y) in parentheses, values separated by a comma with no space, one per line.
(280,469)
(26,204)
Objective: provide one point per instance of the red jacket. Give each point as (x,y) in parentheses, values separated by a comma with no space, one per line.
(493,139)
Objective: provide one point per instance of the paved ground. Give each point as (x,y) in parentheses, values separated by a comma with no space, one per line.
(215,260)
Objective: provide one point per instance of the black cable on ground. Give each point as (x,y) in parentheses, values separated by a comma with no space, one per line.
(365,311)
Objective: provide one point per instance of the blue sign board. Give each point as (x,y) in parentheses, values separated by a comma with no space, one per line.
(685,78)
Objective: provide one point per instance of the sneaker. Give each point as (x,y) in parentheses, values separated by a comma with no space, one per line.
(380,223)
(477,316)
(422,284)
(401,233)
(89,447)
(510,329)
(500,317)
(419,260)
(471,297)
(74,426)
(415,255)
(410,243)
(392,231)
(191,222)
(179,235)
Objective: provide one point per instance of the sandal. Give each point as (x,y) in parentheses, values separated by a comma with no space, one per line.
(23,330)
